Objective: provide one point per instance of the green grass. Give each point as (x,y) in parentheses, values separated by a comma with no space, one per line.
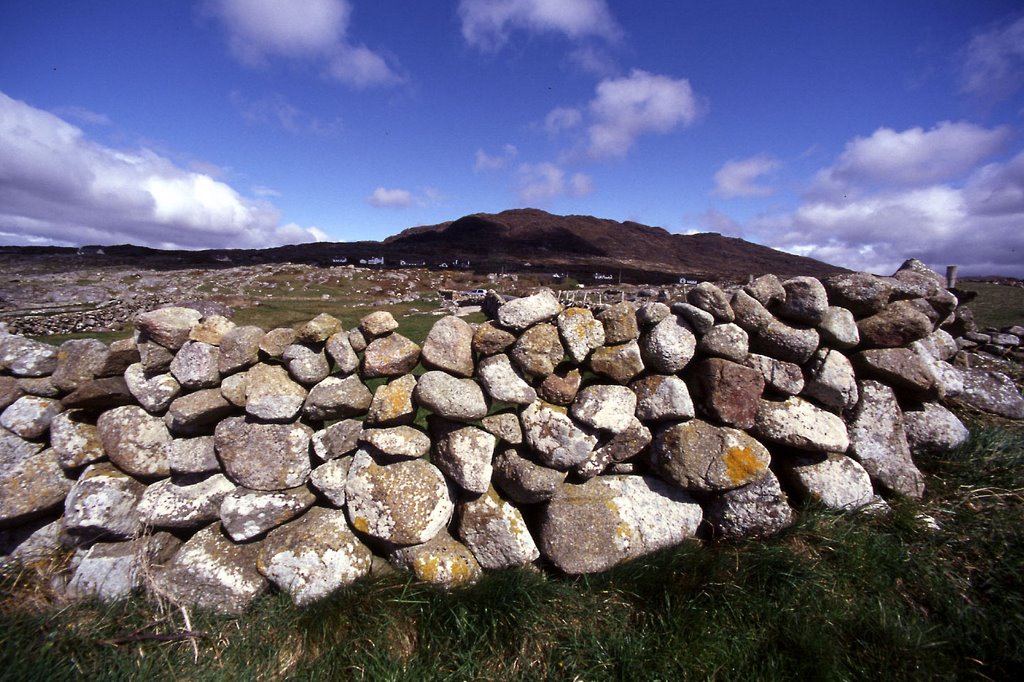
(835,597)
(997,305)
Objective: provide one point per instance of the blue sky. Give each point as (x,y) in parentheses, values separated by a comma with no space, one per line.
(861,133)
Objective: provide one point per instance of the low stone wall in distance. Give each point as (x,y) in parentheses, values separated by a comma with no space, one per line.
(205,462)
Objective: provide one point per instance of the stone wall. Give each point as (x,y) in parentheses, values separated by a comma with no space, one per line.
(206,462)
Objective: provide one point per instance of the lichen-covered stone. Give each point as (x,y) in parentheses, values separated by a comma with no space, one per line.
(668,346)
(581,333)
(271,394)
(75,438)
(627,443)
(449,347)
(501,381)
(700,321)
(727,341)
(525,312)
(78,361)
(555,439)
(442,561)
(337,398)
(605,407)
(830,380)
(620,363)
(211,329)
(728,391)
(463,454)
(933,428)
(711,299)
(169,327)
(561,386)
(538,351)
(340,350)
(398,442)
(153,391)
(838,329)
(991,392)
(829,479)
(247,514)
(755,510)
(523,480)
(240,348)
(337,440)
(801,425)
(390,356)
(662,397)
(806,301)
(450,397)
(331,479)
(699,456)
(894,326)
(110,571)
(879,443)
(771,336)
(504,426)
(766,290)
(30,416)
(306,365)
(32,482)
(620,324)
(489,339)
(494,530)
(392,402)
(191,502)
(378,323)
(196,365)
(319,329)
(860,293)
(135,441)
(102,504)
(193,413)
(275,341)
(899,367)
(27,358)
(264,456)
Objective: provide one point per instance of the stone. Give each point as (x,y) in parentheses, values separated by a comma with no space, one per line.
(405,503)
(357,340)
(319,329)
(263,456)
(832,480)
(619,363)
(561,386)
(769,335)
(555,439)
(271,394)
(799,424)
(99,394)
(233,388)
(755,510)
(933,428)
(806,301)
(662,397)
(939,344)
(378,323)
(120,355)
(390,356)
(727,341)
(192,456)
(335,398)
(699,456)
(341,353)
(606,407)
(449,347)
(275,341)
(9,391)
(524,481)
(494,530)
(398,442)
(30,416)
(314,556)
(505,426)
(489,339)
(711,299)
(894,326)
(521,313)
(441,561)
(879,443)
(78,361)
(580,333)
(30,544)
(838,329)
(75,439)
(766,290)
(728,391)
(27,358)
(31,480)
(190,414)
(247,514)
(111,571)
(859,292)
(831,381)
(305,365)
(102,505)
(42,387)
(648,315)
(501,381)
(211,572)
(463,454)
(153,391)
(337,440)
(239,349)
(627,443)
(591,527)
(991,392)
(190,502)
(668,346)
(700,321)
(901,368)
(538,351)
(169,327)
(153,357)
(450,397)
(331,478)
(135,441)
(211,329)
(620,325)
(195,365)
(392,402)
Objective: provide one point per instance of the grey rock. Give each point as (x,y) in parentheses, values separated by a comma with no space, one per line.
(606,407)
(627,443)
(275,341)
(860,293)
(27,358)
(829,479)
(192,456)
(449,347)
(727,341)
(755,510)
(838,329)
(463,454)
(894,326)
(185,503)
(190,414)
(662,397)
(766,290)
(340,350)
(319,329)
(119,356)
(111,571)
(102,505)
(668,346)
(538,351)
(390,356)
(581,333)
(933,428)
(806,301)
(489,339)
(270,393)
(337,440)
(99,394)
(799,424)
(169,327)
(234,387)
(239,349)
(264,456)
(392,402)
(701,321)
(769,335)
(357,340)
(135,441)
(620,324)
(501,381)
(649,314)
(30,416)
(879,443)
(335,398)
(555,439)
(75,439)
(450,397)
(331,479)
(9,391)
(153,391)
(831,381)
(153,357)
(398,442)
(991,392)
(902,368)
(31,482)
(700,456)
(525,312)
(523,480)
(78,361)
(247,514)
(305,365)
(195,365)
(378,323)
(441,561)
(619,363)
(505,426)
(711,299)
(494,530)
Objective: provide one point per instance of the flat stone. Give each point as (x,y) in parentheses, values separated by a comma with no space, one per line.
(135,441)
(192,456)
(525,312)
(606,407)
(801,425)
(271,394)
(405,503)
(99,394)
(494,530)
(991,392)
(336,398)
(450,397)
(378,323)
(523,480)
(441,561)
(195,365)
(398,442)
(580,333)
(306,365)
(31,481)
(392,402)
(389,356)
(879,443)
(247,514)
(619,363)
(591,527)
(169,327)
(78,361)
(75,439)
(337,440)
(554,438)
(899,367)
(755,510)
(728,391)
(501,381)
(190,414)
(538,351)
(449,347)
(102,505)
(153,391)
(834,481)
(668,346)
(319,329)
(264,456)
(186,503)
(620,324)
(933,428)
(30,416)
(699,456)
(239,349)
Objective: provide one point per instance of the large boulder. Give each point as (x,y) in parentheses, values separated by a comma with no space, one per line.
(135,441)
(450,397)
(554,438)
(699,456)
(102,504)
(796,423)
(264,456)
(521,313)
(494,530)
(449,347)
(879,443)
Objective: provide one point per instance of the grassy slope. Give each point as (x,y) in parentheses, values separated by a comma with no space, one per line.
(834,597)
(997,305)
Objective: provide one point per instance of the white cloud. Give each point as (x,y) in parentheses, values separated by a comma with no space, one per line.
(314,30)
(916,156)
(83,115)
(384,197)
(276,110)
(994,63)
(57,186)
(628,107)
(262,191)
(738,178)
(562,118)
(488,162)
(540,183)
(487,24)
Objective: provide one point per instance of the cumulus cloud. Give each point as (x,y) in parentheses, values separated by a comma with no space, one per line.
(993,67)
(625,108)
(276,110)
(57,186)
(562,118)
(738,178)
(384,197)
(313,30)
(500,161)
(541,183)
(487,24)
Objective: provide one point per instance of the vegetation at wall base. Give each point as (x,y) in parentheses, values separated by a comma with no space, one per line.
(835,597)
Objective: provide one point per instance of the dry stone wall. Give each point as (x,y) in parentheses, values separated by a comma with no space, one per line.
(206,462)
